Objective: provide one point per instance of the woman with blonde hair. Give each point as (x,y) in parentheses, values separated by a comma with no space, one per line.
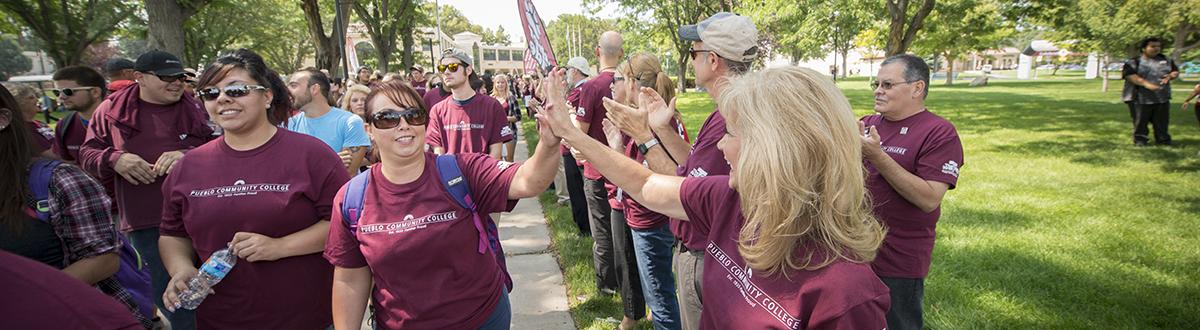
(355,99)
(791,231)
(512,108)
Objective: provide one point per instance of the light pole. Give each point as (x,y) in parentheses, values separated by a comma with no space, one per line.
(340,33)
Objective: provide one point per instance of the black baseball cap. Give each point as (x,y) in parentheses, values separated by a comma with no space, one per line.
(117,64)
(160,63)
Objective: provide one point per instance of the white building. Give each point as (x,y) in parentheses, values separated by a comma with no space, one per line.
(488,58)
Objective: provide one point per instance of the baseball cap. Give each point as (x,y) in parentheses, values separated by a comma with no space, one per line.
(117,64)
(416,67)
(160,63)
(457,54)
(731,36)
(581,64)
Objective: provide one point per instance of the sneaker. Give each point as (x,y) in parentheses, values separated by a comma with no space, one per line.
(608,291)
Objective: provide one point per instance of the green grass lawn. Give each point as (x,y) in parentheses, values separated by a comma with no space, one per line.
(1057,222)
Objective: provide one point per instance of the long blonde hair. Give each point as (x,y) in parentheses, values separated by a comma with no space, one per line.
(497,92)
(350,93)
(799,173)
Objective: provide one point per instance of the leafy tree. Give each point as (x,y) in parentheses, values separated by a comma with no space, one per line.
(584,33)
(499,37)
(959,27)
(67,27)
(379,16)
(328,54)
(12,62)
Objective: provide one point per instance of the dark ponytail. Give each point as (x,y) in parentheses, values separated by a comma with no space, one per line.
(15,156)
(245,59)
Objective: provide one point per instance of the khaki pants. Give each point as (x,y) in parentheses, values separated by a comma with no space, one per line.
(689,273)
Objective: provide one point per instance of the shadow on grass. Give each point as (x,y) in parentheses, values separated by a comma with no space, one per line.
(1021,289)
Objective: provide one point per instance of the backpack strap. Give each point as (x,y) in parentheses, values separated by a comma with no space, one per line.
(64,124)
(454,182)
(352,203)
(39,185)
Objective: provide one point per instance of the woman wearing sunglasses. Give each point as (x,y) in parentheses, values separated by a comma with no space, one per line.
(41,134)
(265,192)
(791,231)
(420,256)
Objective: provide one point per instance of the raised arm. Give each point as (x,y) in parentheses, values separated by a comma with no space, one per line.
(537,173)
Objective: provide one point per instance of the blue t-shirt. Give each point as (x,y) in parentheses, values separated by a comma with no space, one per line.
(339,129)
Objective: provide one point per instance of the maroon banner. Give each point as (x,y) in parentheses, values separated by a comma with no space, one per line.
(531,66)
(539,49)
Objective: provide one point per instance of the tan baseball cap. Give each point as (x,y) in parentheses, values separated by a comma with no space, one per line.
(731,36)
(581,64)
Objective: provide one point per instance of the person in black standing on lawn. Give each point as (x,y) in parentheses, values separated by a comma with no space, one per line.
(1148,79)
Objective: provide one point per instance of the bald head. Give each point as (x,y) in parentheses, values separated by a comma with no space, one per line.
(611,48)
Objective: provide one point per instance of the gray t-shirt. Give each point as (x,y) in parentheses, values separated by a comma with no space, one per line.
(1153,70)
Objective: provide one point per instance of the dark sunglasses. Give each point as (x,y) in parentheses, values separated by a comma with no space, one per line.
(452,66)
(887,85)
(693,52)
(390,118)
(168,79)
(68,92)
(212,93)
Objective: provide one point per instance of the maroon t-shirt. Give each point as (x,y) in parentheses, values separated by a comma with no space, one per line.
(705,160)
(141,205)
(277,189)
(468,127)
(841,295)
(590,109)
(636,215)
(42,135)
(419,86)
(572,99)
(69,135)
(434,96)
(40,297)
(421,246)
(928,146)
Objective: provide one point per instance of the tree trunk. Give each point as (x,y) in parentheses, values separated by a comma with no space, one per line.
(682,73)
(902,30)
(949,70)
(1104,69)
(406,40)
(166,18)
(1179,44)
(844,67)
(328,54)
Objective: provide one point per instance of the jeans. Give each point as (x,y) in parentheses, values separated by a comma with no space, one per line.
(602,246)
(907,296)
(654,255)
(633,302)
(145,241)
(689,265)
(501,318)
(1158,114)
(579,206)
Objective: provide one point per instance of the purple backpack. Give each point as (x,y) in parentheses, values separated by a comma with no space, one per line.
(454,182)
(132,274)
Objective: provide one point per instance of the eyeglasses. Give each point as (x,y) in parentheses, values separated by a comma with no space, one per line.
(68,92)
(169,79)
(453,67)
(390,118)
(887,85)
(693,52)
(211,93)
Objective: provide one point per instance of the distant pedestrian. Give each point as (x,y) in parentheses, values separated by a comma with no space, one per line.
(1148,88)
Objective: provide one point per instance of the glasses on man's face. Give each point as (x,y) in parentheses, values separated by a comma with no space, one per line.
(169,79)
(233,91)
(693,51)
(68,92)
(453,67)
(390,118)
(887,85)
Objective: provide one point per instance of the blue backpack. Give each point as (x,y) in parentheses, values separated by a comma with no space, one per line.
(454,182)
(132,274)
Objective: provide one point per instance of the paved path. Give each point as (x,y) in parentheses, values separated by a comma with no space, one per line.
(539,297)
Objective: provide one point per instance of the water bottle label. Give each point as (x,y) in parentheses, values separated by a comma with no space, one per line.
(216,268)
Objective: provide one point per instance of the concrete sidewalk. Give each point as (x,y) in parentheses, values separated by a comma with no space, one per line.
(539,297)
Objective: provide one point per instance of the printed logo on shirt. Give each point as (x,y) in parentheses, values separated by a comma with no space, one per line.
(506,131)
(462,126)
(951,168)
(241,188)
(580,112)
(742,279)
(894,150)
(698,172)
(409,223)
(503,165)
(182,136)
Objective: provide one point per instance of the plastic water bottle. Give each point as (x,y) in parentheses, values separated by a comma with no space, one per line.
(214,269)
